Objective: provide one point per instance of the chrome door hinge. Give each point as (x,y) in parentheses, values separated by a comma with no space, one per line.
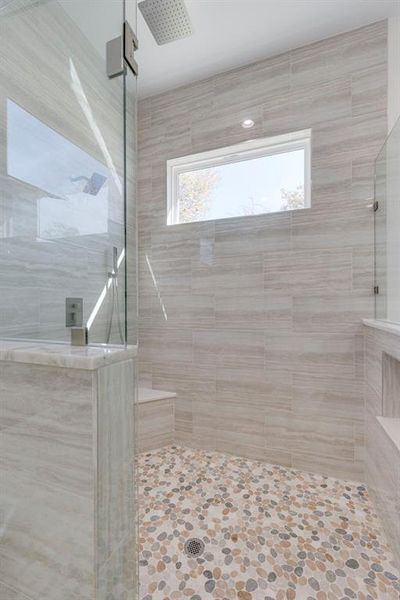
(120,52)
(376,290)
(131,44)
(375,205)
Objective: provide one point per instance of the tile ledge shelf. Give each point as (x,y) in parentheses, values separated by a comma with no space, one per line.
(391,427)
(150,395)
(88,358)
(386,326)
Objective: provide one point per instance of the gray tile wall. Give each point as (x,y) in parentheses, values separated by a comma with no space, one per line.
(155,424)
(67,494)
(47,482)
(256,322)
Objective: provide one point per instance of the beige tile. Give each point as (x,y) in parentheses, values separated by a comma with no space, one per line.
(27,391)
(327,396)
(390,386)
(344,53)
(240,436)
(178,241)
(304,272)
(331,313)
(254,387)
(244,311)
(323,436)
(252,235)
(155,424)
(6,593)
(323,228)
(314,103)
(238,275)
(324,354)
(115,486)
(363,270)
(278,429)
(229,348)
(300,281)
(183,310)
(382,458)
(221,128)
(49,536)
(368,90)
(337,467)
(350,138)
(204,431)
(383,478)
(164,276)
(165,343)
(247,85)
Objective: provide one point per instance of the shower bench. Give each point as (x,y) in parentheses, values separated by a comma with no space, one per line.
(156,425)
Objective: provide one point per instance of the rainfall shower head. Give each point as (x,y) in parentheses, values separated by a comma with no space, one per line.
(93,184)
(168,20)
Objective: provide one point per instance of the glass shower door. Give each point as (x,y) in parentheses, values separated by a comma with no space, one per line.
(387,227)
(63,168)
(68,234)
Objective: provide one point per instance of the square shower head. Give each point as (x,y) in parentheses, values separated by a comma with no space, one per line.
(168,20)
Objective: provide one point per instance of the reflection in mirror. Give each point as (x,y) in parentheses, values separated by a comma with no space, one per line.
(77,187)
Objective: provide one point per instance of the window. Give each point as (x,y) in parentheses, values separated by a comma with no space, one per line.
(255,177)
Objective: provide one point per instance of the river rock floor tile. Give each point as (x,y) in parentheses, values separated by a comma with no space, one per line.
(262,532)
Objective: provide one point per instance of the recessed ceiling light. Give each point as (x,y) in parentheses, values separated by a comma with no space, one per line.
(247,123)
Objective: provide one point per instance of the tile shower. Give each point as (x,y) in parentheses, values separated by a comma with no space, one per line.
(256,323)
(260,457)
(262,339)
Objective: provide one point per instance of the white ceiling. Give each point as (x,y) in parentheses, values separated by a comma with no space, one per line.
(231,33)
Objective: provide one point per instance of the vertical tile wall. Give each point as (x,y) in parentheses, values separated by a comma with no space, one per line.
(67,493)
(256,321)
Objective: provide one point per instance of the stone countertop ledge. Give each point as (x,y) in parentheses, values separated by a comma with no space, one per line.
(150,395)
(89,357)
(387,326)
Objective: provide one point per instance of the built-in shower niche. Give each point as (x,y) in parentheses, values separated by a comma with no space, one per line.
(390,419)
(390,386)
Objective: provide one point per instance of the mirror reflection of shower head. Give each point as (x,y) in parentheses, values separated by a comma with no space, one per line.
(93,183)
(114,305)
(168,20)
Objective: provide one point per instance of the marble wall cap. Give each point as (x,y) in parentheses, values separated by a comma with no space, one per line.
(150,395)
(383,326)
(63,355)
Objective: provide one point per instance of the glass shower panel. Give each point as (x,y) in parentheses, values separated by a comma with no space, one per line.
(131,206)
(62,167)
(387,229)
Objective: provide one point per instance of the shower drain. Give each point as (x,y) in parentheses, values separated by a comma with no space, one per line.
(194,547)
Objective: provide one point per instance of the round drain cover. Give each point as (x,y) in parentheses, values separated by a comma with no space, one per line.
(194,547)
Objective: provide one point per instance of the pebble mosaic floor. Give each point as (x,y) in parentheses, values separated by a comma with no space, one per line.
(269,533)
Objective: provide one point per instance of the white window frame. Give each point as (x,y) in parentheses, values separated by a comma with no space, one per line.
(257,148)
